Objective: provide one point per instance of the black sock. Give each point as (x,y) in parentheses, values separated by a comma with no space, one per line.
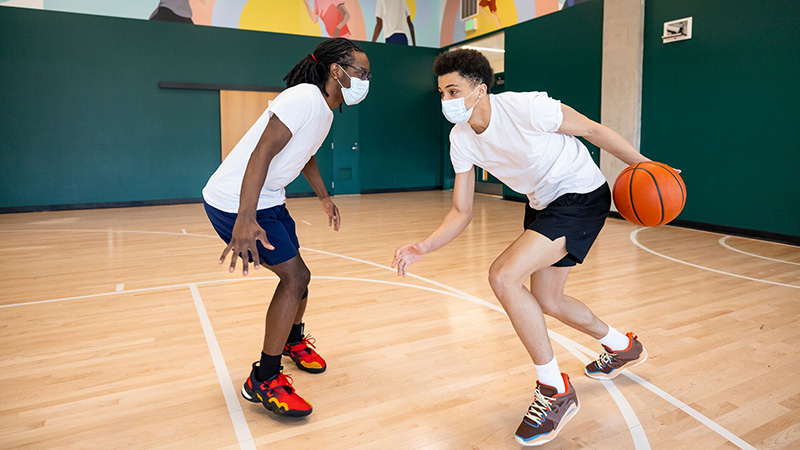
(268,367)
(296,334)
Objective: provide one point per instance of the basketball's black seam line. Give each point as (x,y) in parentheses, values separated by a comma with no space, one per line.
(630,193)
(683,194)
(660,200)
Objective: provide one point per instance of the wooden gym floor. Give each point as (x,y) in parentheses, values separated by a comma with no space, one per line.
(119,329)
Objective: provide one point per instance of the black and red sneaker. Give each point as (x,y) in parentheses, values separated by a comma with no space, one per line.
(276,394)
(303,354)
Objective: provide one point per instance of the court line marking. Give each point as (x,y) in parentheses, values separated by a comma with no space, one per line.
(719,429)
(120,287)
(183,230)
(307,222)
(638,434)
(723,242)
(670,399)
(228,391)
(641,246)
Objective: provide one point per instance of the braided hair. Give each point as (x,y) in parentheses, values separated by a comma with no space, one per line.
(314,68)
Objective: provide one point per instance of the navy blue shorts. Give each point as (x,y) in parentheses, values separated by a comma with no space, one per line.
(577,217)
(275,221)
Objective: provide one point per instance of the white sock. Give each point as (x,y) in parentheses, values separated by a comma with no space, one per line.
(615,340)
(550,375)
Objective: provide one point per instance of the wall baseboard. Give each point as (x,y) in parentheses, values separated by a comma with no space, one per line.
(41,208)
(742,232)
(393,190)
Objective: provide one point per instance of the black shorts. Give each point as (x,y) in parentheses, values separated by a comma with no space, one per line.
(578,217)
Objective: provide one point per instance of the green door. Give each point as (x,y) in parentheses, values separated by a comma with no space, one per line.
(344,144)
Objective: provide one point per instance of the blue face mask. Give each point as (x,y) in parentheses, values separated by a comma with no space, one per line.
(455,110)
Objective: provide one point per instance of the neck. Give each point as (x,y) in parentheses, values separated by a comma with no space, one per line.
(334,98)
(481,115)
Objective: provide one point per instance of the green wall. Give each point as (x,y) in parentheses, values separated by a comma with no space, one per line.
(83,119)
(724,107)
(560,54)
(399,120)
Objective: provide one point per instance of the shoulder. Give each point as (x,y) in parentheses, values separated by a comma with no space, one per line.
(303,90)
(519,98)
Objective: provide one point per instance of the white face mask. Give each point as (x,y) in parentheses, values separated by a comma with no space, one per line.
(455,110)
(357,91)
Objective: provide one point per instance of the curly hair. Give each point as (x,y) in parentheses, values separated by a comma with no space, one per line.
(470,64)
(314,69)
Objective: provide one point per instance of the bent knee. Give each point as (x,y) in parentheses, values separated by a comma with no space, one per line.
(501,279)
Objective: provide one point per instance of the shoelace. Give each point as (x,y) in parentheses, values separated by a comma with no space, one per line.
(604,359)
(539,408)
(284,381)
(308,341)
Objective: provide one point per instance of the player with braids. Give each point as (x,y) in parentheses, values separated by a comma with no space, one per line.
(245,202)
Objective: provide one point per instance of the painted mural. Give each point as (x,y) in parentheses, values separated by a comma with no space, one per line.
(428,23)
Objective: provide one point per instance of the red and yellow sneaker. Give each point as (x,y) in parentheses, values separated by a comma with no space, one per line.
(304,356)
(276,394)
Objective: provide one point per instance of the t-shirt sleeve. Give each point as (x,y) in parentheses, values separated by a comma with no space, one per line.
(292,108)
(546,115)
(380,9)
(405,7)
(460,162)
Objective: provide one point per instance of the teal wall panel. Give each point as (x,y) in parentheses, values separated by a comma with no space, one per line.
(724,107)
(561,54)
(83,119)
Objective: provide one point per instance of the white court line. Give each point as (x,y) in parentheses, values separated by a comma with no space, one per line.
(636,429)
(307,222)
(183,230)
(722,242)
(120,287)
(230,280)
(228,391)
(705,421)
(715,427)
(641,246)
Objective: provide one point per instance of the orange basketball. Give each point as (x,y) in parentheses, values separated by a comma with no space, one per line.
(649,194)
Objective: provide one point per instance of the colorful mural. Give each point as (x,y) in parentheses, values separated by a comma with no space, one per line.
(428,23)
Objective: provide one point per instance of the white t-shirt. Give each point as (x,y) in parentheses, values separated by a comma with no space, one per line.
(522,148)
(303,110)
(393,13)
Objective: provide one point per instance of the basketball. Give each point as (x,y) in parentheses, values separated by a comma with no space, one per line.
(649,194)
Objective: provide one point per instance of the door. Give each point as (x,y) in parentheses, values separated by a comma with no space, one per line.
(346,154)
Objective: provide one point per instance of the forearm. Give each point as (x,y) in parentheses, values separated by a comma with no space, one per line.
(311,14)
(612,142)
(377,31)
(411,29)
(453,224)
(311,172)
(253,181)
(345,18)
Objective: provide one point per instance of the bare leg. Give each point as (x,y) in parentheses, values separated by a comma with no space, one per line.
(547,285)
(531,252)
(294,278)
(301,309)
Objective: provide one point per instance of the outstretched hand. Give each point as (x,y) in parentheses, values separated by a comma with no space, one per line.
(244,244)
(334,218)
(405,256)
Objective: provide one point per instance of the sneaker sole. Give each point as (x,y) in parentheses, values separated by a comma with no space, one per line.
(615,373)
(272,408)
(567,417)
